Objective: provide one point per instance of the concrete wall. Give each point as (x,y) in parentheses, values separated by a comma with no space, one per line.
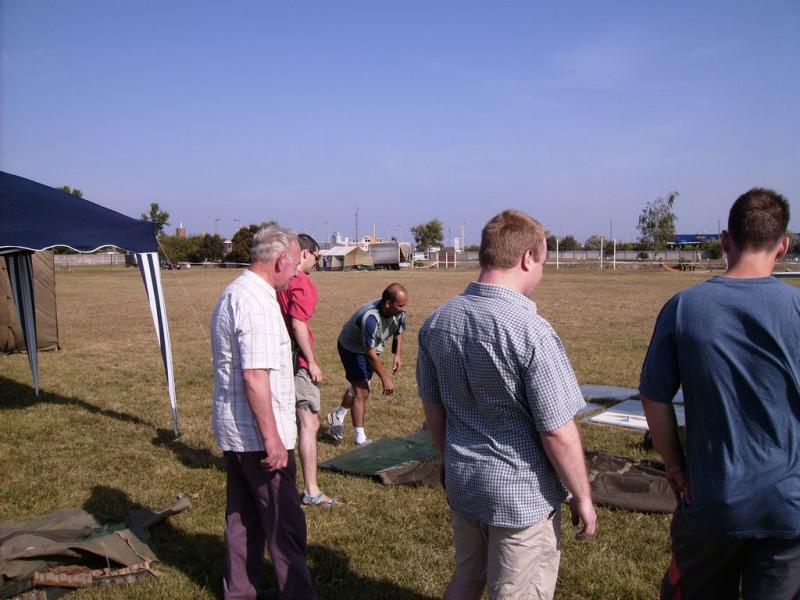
(66,261)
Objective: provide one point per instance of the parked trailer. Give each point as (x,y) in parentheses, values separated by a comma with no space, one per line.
(385,255)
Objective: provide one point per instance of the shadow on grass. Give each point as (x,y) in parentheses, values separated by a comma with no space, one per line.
(330,571)
(201,556)
(15,395)
(194,458)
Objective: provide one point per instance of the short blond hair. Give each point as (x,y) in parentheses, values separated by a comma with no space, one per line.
(507,236)
(269,240)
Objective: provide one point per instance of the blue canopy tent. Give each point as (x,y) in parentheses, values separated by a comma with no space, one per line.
(36,217)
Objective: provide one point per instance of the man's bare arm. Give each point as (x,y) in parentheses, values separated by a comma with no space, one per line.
(565,451)
(397,347)
(386,380)
(436,418)
(303,339)
(259,397)
(664,431)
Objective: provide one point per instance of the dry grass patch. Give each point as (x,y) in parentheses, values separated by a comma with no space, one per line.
(99,435)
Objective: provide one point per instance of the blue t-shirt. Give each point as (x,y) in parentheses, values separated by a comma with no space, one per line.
(734,346)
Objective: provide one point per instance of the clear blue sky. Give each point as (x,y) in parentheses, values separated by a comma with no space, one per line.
(576,112)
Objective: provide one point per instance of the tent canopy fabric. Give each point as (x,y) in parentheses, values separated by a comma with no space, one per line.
(34,217)
(38,217)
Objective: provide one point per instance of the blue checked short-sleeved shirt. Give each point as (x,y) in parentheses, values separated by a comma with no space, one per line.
(502,376)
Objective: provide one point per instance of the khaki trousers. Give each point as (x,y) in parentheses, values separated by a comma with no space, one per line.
(516,564)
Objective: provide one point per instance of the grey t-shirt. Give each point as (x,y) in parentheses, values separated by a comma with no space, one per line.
(368,328)
(734,346)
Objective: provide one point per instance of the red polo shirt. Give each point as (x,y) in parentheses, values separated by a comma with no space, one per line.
(299,301)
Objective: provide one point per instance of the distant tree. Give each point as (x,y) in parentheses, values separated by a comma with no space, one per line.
(178,249)
(657,222)
(242,242)
(593,242)
(713,247)
(551,243)
(159,218)
(794,243)
(73,191)
(428,234)
(472,248)
(569,243)
(209,248)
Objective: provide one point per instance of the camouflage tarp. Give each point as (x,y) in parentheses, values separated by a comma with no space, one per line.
(63,548)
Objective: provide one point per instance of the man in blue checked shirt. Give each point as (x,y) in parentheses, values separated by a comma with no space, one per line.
(499,396)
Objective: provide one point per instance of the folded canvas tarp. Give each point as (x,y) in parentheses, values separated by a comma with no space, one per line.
(617,481)
(69,548)
(44,288)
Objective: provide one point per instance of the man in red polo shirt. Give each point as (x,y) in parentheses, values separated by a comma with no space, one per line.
(298,304)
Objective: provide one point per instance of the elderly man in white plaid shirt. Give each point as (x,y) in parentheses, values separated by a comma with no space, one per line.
(253,415)
(499,396)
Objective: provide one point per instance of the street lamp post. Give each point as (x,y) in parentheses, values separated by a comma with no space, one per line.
(217,220)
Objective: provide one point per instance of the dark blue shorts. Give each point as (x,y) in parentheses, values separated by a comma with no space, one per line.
(356,365)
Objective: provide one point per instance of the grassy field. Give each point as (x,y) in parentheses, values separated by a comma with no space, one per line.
(99,436)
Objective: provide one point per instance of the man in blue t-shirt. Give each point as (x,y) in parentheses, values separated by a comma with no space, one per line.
(733,344)
(360,344)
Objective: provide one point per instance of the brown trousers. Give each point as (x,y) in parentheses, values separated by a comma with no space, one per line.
(264,509)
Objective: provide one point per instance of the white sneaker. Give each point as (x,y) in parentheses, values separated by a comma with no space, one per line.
(336,426)
(364,443)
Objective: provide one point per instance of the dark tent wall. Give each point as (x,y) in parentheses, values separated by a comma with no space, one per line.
(44,289)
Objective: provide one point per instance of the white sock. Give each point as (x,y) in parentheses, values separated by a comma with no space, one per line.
(361,436)
(341,412)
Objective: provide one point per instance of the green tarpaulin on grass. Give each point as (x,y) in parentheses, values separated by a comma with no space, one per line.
(617,481)
(384,455)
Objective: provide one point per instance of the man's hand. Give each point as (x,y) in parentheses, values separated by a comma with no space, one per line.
(277,456)
(315,372)
(396,364)
(680,486)
(388,385)
(583,512)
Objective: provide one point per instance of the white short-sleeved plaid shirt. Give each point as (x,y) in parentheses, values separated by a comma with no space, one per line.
(502,376)
(248,332)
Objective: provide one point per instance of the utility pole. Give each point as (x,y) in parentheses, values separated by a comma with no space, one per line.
(217,220)
(356,238)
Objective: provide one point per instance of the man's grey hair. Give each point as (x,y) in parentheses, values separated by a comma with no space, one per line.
(269,240)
